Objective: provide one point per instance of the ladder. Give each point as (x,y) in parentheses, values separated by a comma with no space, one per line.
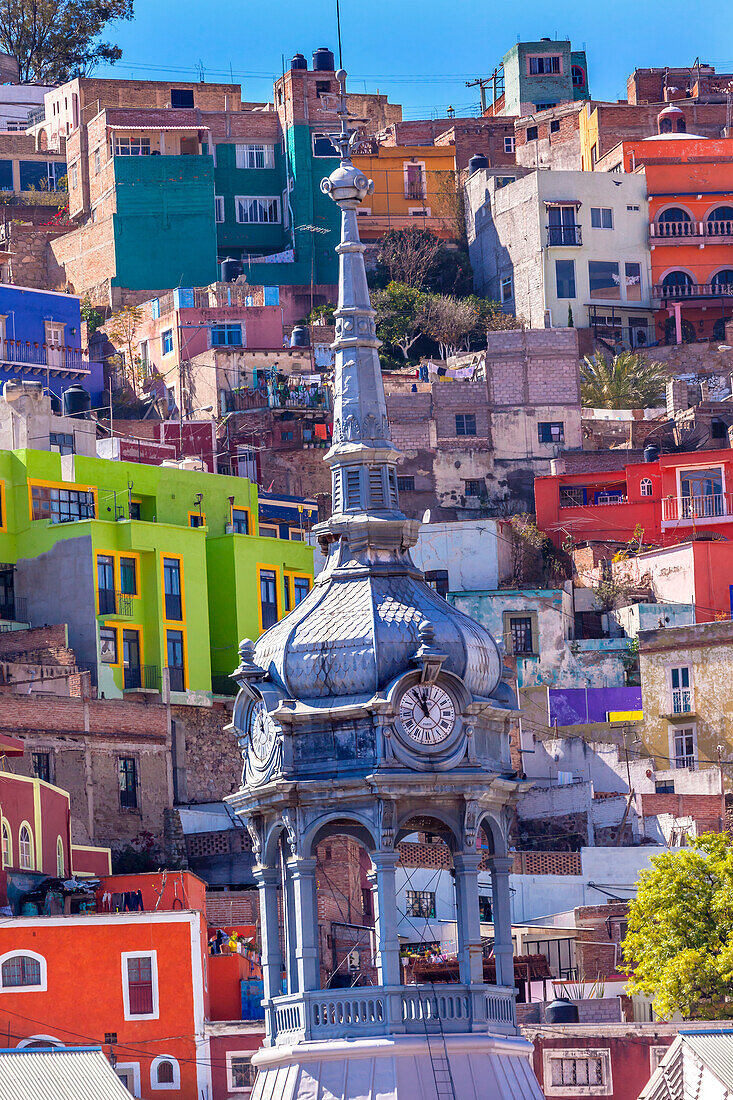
(437,1050)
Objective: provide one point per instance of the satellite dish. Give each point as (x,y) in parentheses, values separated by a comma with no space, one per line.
(426,516)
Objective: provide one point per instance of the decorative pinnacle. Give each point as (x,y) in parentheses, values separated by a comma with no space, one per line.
(347,186)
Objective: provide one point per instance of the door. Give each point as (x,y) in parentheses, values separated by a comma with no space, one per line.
(702,493)
(561,225)
(131,658)
(55,344)
(106,585)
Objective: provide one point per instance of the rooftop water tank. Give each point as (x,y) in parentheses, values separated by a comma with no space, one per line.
(300,337)
(323,60)
(478,160)
(76,402)
(230,269)
(561,1011)
(651,452)
(297,61)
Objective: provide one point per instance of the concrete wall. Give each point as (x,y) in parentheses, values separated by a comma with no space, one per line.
(474,552)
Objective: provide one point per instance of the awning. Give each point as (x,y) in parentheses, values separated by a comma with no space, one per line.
(563,202)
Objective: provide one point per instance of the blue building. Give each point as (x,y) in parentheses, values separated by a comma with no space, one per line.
(40,341)
(284,517)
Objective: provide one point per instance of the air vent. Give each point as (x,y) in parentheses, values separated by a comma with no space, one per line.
(353,489)
(376,487)
(393,497)
(337,491)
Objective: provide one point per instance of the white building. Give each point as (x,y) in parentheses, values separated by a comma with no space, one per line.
(559,246)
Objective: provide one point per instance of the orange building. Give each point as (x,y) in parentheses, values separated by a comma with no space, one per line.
(690,189)
(413,185)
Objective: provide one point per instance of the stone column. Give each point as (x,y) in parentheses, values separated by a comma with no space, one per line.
(289,927)
(302,873)
(502,916)
(470,954)
(385,917)
(268,880)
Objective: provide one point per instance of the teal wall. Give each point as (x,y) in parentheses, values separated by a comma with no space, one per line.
(234,238)
(520,88)
(164,229)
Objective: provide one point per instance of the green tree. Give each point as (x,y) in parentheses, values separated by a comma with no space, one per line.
(321,315)
(490,317)
(625,381)
(679,945)
(400,315)
(55,40)
(93,315)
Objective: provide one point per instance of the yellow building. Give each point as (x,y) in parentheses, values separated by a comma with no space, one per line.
(687,694)
(413,185)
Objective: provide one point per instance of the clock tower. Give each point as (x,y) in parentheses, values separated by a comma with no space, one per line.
(373,708)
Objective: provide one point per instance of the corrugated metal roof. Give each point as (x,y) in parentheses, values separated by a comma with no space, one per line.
(63,1074)
(715,1049)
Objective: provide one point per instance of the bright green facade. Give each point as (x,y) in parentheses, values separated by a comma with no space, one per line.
(57,563)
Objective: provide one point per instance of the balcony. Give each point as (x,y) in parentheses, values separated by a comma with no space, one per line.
(43,358)
(388,1010)
(681,701)
(14,610)
(114,603)
(691,292)
(694,509)
(559,235)
(415,192)
(141,678)
(680,232)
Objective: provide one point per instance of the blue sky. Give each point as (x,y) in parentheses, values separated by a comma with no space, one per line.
(420,52)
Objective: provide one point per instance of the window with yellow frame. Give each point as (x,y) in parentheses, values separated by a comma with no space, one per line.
(116,573)
(296,587)
(270,601)
(3,515)
(59,502)
(196,519)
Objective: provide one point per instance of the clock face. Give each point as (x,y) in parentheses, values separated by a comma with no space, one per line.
(427,714)
(262,731)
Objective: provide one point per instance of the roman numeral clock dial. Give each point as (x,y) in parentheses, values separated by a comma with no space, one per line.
(427,714)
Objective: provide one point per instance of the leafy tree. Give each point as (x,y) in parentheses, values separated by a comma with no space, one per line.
(450,321)
(400,315)
(121,329)
(93,316)
(408,255)
(490,317)
(679,945)
(55,40)
(321,315)
(625,381)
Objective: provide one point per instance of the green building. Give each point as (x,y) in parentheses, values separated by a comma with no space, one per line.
(153,568)
(535,76)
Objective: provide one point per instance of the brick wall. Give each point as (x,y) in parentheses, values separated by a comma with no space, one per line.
(32,262)
(547,863)
(708,810)
(225,907)
(210,757)
(40,639)
(598,938)
(113,718)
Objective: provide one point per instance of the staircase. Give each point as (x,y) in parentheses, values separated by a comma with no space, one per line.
(444,1088)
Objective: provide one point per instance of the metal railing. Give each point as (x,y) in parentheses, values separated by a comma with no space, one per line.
(26,353)
(681,700)
(692,290)
(114,603)
(15,610)
(697,507)
(176,678)
(142,677)
(415,191)
(35,115)
(685,762)
(564,235)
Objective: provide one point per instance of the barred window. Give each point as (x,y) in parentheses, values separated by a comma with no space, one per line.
(572,497)
(20,970)
(521,631)
(420,903)
(577,1071)
(260,210)
(61,505)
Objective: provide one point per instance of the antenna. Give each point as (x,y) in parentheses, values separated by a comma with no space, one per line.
(338,27)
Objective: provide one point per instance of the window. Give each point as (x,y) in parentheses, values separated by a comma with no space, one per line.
(601,217)
(166,342)
(531,133)
(7,846)
(473,487)
(60,862)
(268,597)
(174,657)
(323,146)
(544,106)
(301,588)
(565,278)
(551,432)
(555,126)
(242,1073)
(604,279)
(509,143)
(61,442)
(226,335)
(165,1073)
(181,97)
(255,156)
(503,181)
(41,763)
(646,487)
(132,147)
(73,176)
(680,679)
(547,64)
(520,630)
(420,903)
(106,585)
(286,436)
(406,484)
(195,519)
(135,512)
(438,581)
(97,161)
(25,847)
(507,289)
(465,423)
(240,521)
(633,208)
(257,211)
(172,589)
(61,505)
(583,1072)
(578,76)
(20,971)
(633,282)
(128,576)
(685,747)
(127,775)
(323,87)
(414,181)
(219,213)
(269,530)
(484,908)
(107,645)
(139,985)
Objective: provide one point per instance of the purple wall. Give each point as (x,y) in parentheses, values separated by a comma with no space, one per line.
(578,706)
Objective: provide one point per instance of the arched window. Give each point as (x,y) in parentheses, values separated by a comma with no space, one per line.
(25,847)
(674,214)
(578,77)
(676,284)
(675,222)
(7,846)
(719,222)
(165,1073)
(724,279)
(646,487)
(681,125)
(665,126)
(21,970)
(59,858)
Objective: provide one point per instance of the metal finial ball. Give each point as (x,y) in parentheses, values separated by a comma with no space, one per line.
(247,650)
(341,76)
(426,632)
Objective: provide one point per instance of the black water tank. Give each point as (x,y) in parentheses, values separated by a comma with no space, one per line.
(55,403)
(76,402)
(561,1011)
(230,270)
(297,61)
(651,452)
(300,337)
(478,160)
(323,60)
